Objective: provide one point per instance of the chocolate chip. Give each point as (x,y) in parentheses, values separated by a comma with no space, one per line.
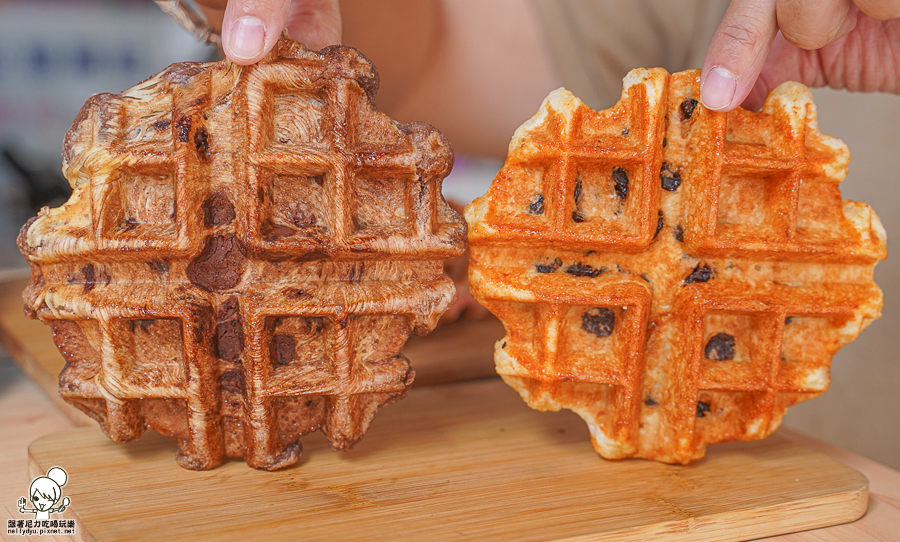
(229,340)
(217,210)
(183,128)
(701,273)
(620,178)
(229,331)
(161,125)
(548,266)
(577,191)
(720,347)
(659,224)
(90,277)
(536,207)
(679,233)
(577,217)
(599,321)
(788,320)
(650,402)
(665,142)
(687,108)
(645,277)
(626,131)
(670,180)
(702,409)
(233,381)
(201,143)
(283,349)
(220,264)
(584,270)
(503,345)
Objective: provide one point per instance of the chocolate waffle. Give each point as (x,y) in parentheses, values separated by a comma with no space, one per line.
(244,254)
(675,276)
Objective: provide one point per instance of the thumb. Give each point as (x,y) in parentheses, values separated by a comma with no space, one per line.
(251,27)
(737,53)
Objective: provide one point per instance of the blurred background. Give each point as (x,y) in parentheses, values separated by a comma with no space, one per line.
(54,54)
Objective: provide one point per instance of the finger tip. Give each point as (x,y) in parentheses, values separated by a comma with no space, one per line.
(718,89)
(245,41)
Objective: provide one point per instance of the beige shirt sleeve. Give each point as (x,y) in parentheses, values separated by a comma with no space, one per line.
(594,43)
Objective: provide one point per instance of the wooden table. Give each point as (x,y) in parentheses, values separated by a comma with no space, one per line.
(27,413)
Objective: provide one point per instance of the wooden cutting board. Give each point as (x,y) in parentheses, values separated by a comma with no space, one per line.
(455,461)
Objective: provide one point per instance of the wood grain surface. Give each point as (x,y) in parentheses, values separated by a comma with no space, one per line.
(455,461)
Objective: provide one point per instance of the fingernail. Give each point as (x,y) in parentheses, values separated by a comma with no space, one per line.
(717,91)
(248,37)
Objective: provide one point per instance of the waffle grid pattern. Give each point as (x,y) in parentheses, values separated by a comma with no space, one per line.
(651,388)
(280,321)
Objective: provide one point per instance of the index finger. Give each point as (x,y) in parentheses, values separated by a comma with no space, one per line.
(737,53)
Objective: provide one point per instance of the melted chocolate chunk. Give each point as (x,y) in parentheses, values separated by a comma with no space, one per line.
(679,233)
(626,131)
(90,277)
(536,207)
(229,331)
(548,266)
(576,217)
(233,381)
(702,409)
(584,270)
(687,108)
(665,142)
(670,180)
(720,347)
(318,179)
(201,143)
(659,224)
(599,321)
(183,128)
(701,273)
(577,191)
(217,210)
(620,179)
(220,264)
(788,320)
(650,402)
(284,349)
(161,125)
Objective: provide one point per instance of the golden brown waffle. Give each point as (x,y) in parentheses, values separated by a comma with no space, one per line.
(245,252)
(675,276)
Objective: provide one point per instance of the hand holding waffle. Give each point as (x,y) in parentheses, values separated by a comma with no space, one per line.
(837,43)
(249,29)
